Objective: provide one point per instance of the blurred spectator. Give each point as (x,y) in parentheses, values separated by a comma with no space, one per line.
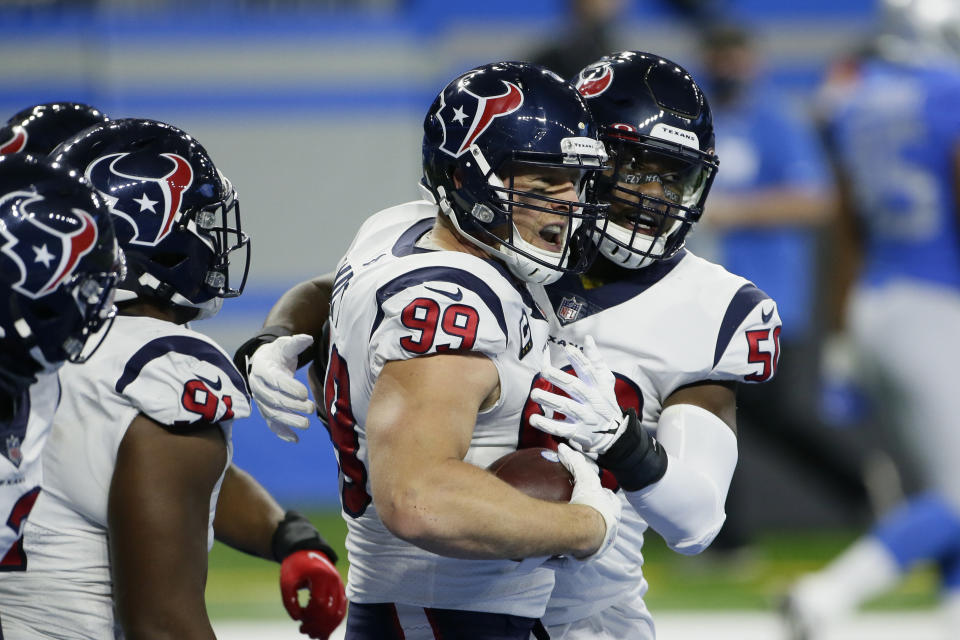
(896,135)
(769,203)
(699,13)
(587,37)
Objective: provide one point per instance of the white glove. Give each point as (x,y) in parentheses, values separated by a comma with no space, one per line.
(281,397)
(592,418)
(588,491)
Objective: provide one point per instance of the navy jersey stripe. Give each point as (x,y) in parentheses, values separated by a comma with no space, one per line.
(630,284)
(406,244)
(743,302)
(187,345)
(454,276)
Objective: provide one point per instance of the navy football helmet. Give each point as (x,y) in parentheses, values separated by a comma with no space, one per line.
(40,128)
(658,129)
(504,120)
(59,266)
(177,217)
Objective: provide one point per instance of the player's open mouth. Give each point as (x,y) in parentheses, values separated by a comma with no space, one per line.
(552,235)
(646,223)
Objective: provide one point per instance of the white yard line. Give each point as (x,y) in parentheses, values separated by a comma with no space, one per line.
(915,625)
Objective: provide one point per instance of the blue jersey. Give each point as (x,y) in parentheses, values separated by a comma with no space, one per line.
(762,145)
(896,137)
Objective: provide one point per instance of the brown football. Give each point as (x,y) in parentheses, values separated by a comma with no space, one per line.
(536,472)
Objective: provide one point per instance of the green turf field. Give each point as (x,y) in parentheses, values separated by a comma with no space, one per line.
(240,586)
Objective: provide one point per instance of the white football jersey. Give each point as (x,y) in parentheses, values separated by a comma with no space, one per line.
(393,300)
(676,322)
(165,371)
(21,445)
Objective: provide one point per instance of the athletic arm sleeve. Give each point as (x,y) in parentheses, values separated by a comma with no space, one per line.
(686,506)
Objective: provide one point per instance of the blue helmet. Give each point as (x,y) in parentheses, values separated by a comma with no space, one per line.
(40,128)
(177,217)
(491,124)
(59,266)
(657,126)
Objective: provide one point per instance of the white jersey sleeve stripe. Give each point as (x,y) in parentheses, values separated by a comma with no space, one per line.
(743,302)
(186,345)
(456,277)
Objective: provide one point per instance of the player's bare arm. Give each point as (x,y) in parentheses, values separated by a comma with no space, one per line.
(419,426)
(719,398)
(303,308)
(159,505)
(772,207)
(247,515)
(250,520)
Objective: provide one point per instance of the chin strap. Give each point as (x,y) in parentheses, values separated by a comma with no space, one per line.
(519,265)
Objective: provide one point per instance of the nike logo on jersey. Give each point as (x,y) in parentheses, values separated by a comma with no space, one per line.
(613,430)
(210,383)
(369,262)
(766,315)
(456,296)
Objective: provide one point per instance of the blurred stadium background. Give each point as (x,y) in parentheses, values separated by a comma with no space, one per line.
(313,109)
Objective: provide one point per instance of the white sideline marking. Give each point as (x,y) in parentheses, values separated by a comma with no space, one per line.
(688,625)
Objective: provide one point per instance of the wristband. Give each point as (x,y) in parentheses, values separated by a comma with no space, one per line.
(636,459)
(296,533)
(266,335)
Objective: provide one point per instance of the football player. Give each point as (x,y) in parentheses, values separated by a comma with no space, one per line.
(59,266)
(140,451)
(652,395)
(39,129)
(434,342)
(896,139)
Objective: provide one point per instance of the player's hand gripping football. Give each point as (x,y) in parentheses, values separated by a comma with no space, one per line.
(328,603)
(283,400)
(592,418)
(588,491)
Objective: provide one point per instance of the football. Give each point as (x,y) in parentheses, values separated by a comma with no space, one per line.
(536,472)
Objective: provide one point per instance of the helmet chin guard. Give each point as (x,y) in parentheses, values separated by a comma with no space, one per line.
(626,249)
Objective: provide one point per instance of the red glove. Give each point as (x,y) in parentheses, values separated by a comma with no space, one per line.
(328,601)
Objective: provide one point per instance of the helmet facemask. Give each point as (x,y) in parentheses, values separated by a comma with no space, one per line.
(219,226)
(206,235)
(527,189)
(36,321)
(94,295)
(656,190)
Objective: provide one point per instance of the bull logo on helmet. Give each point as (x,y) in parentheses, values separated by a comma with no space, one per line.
(594,80)
(465,119)
(45,246)
(146,189)
(16,143)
